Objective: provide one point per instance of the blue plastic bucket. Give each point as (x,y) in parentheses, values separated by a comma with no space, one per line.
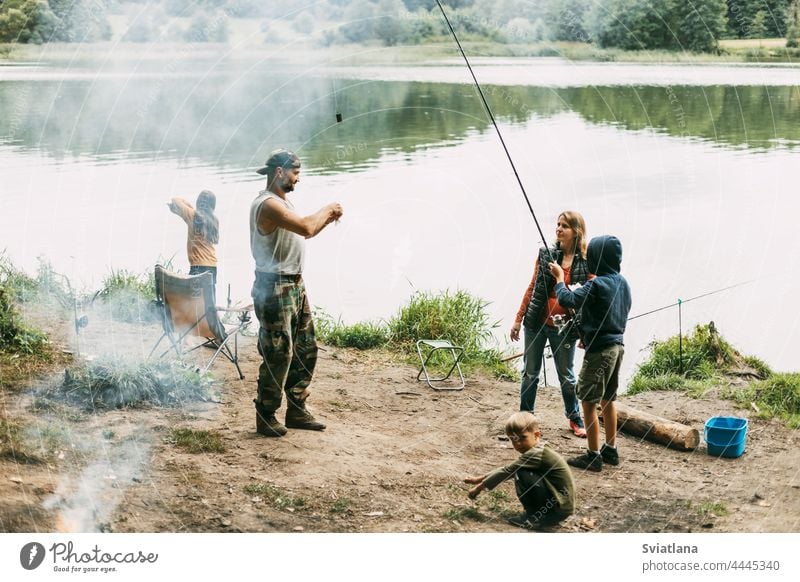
(725,436)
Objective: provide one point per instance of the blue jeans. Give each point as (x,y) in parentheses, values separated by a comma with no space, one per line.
(564,358)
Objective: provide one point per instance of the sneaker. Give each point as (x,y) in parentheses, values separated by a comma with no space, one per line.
(577,429)
(610,455)
(522,520)
(268,425)
(589,461)
(297,417)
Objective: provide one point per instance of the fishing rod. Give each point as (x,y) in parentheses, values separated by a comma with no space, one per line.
(676,304)
(682,301)
(496,128)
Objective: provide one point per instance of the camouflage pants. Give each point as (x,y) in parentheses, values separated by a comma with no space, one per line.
(286,341)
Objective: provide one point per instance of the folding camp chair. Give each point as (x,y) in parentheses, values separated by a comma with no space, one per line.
(432,346)
(187,308)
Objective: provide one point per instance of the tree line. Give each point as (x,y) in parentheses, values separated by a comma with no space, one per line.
(626,24)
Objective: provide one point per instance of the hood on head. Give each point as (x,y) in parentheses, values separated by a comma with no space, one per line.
(604,255)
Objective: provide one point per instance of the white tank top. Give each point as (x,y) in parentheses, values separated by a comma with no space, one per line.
(280,252)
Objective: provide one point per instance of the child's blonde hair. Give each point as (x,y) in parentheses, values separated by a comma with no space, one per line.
(521,422)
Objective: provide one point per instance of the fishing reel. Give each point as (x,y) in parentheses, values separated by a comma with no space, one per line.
(560,322)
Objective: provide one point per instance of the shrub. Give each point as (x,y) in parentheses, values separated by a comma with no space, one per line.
(363,336)
(776,396)
(704,354)
(16,337)
(128,296)
(460,318)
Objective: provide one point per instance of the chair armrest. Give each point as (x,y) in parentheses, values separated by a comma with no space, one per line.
(237,309)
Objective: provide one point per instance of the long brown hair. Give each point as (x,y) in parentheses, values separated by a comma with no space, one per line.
(578,226)
(205,223)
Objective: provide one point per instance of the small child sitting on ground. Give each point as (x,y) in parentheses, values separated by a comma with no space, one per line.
(543,481)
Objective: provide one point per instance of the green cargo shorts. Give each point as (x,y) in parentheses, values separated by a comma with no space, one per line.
(599,376)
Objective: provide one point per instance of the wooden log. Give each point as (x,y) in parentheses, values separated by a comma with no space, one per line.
(656,429)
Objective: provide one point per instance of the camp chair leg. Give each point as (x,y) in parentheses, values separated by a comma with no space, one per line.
(187,306)
(455,351)
(150,355)
(224,349)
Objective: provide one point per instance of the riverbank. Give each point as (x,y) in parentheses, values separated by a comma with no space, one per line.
(391,460)
(753,51)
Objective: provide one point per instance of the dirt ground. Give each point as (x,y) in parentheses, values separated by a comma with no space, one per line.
(392,459)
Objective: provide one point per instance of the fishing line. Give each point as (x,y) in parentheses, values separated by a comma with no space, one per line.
(676,304)
(681,301)
(497,129)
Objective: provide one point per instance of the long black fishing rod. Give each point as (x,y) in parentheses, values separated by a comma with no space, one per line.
(497,129)
(676,304)
(682,301)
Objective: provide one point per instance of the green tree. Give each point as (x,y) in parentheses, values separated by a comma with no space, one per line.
(203,28)
(359,21)
(758,26)
(143,28)
(793,24)
(741,15)
(631,24)
(699,24)
(80,20)
(27,21)
(566,19)
(389,27)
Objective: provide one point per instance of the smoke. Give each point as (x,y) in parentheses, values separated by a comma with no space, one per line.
(87,502)
(110,335)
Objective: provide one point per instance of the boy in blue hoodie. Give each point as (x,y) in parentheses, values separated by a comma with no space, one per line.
(604,304)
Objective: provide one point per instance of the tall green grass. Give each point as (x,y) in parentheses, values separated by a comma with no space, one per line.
(128,296)
(693,367)
(363,336)
(15,336)
(776,396)
(458,317)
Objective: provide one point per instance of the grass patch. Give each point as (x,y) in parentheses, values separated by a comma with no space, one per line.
(17,442)
(669,383)
(196,441)
(15,336)
(458,317)
(693,367)
(778,396)
(112,382)
(760,366)
(704,353)
(129,297)
(362,336)
(341,505)
(462,513)
(713,508)
(277,498)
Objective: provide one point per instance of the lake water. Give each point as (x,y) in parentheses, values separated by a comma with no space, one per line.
(695,168)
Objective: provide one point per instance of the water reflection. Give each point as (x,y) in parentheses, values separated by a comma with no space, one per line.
(232,122)
(691,178)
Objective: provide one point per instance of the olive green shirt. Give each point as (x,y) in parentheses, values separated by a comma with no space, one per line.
(545,461)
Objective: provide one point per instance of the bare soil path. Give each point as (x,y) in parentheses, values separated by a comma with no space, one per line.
(391,460)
